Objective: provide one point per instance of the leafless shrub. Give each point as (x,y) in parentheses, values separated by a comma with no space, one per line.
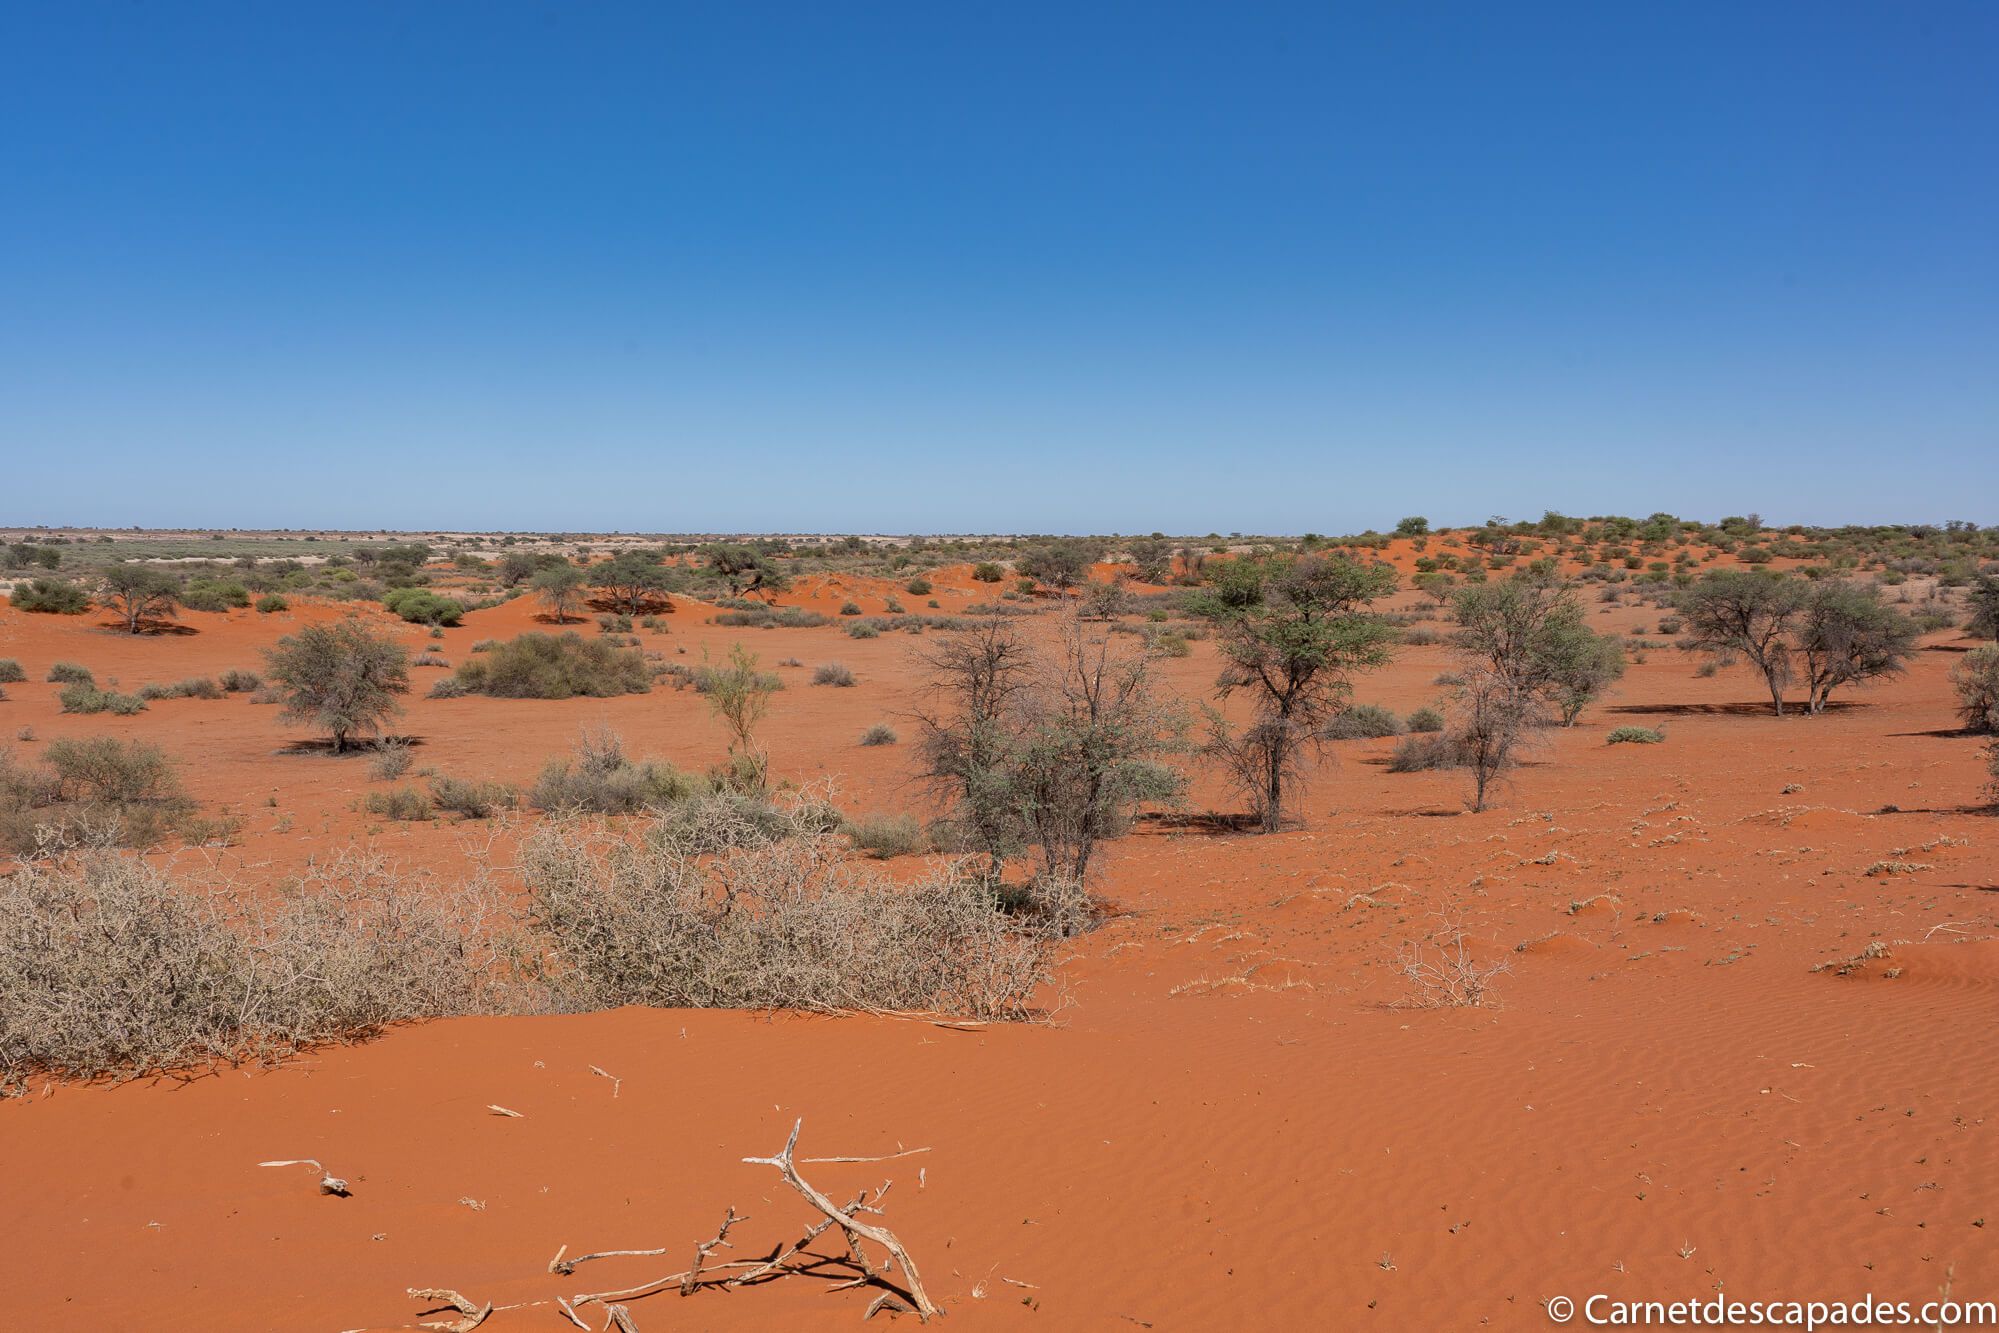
(1443,974)
(391,761)
(107,965)
(787,923)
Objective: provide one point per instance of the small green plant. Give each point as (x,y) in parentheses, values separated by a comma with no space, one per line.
(90,699)
(988,572)
(50,596)
(1426,721)
(849,609)
(11,672)
(70,673)
(405,804)
(271,602)
(471,800)
(237,681)
(1362,721)
(832,673)
(918,587)
(1634,736)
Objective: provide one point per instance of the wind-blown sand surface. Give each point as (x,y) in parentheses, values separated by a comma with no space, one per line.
(1227,1124)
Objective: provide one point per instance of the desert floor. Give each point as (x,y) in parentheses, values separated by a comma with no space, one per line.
(1230,1122)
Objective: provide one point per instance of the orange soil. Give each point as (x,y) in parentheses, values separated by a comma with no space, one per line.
(1229,1125)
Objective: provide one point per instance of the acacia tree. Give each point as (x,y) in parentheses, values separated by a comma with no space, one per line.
(1848,636)
(1152,557)
(1531,634)
(633,580)
(341,678)
(1292,633)
(560,588)
(139,593)
(1060,564)
(1489,728)
(744,568)
(1751,612)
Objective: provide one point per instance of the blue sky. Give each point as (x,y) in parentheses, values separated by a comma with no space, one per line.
(1020,267)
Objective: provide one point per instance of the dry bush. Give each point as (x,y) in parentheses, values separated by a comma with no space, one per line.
(107,965)
(600,779)
(470,799)
(786,923)
(886,836)
(1442,974)
(392,759)
(96,791)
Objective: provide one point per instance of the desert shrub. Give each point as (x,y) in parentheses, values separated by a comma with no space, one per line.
(988,572)
(863,630)
(849,609)
(1362,721)
(472,800)
(70,673)
(428,659)
(271,602)
(237,681)
(420,606)
(792,923)
(1425,751)
(266,694)
(1976,679)
(1170,643)
(832,673)
(392,759)
(485,645)
(447,687)
(94,791)
(50,596)
(407,804)
(90,699)
(341,678)
(879,734)
(918,587)
(10,671)
(194,687)
(759,616)
(214,595)
(600,779)
(556,666)
(108,966)
(1421,637)
(885,836)
(1634,736)
(1426,720)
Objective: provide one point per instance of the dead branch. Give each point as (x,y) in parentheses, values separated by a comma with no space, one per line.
(855,1229)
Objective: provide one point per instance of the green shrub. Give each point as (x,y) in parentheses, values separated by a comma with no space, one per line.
(70,673)
(832,673)
(918,587)
(52,596)
(885,836)
(447,687)
(237,681)
(988,572)
(1362,722)
(759,616)
(214,595)
(879,734)
(90,699)
(10,671)
(1426,720)
(420,606)
(271,602)
(1976,680)
(194,687)
(1634,736)
(556,666)
(849,609)
(863,630)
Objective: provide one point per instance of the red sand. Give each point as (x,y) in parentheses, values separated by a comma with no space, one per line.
(1227,1125)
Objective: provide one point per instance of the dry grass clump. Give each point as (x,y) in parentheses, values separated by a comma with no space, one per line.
(790,923)
(98,791)
(885,836)
(601,779)
(107,965)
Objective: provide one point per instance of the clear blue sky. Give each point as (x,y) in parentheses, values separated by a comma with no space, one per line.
(945,266)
